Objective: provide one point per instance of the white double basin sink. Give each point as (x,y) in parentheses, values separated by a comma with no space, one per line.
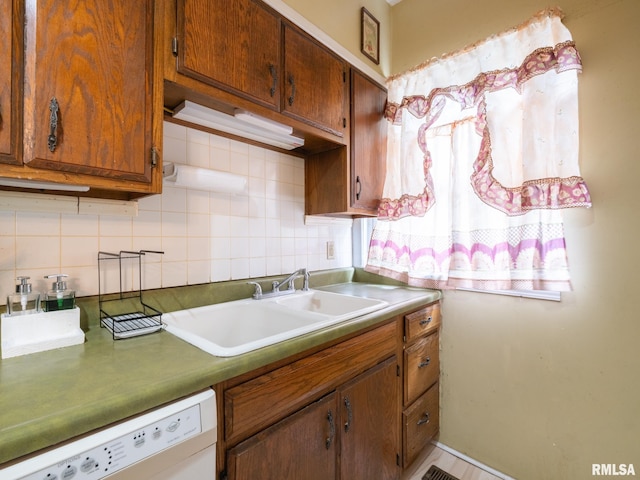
(232,328)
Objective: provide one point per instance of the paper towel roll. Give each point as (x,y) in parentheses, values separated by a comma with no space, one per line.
(203,179)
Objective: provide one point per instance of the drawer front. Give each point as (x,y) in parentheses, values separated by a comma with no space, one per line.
(258,403)
(422,321)
(420,423)
(421,366)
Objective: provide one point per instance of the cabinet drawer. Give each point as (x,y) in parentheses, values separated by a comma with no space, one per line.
(421,366)
(422,321)
(420,423)
(258,403)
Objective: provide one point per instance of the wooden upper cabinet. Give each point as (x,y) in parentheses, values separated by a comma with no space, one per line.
(11,45)
(349,181)
(245,48)
(315,86)
(368,143)
(231,45)
(88,88)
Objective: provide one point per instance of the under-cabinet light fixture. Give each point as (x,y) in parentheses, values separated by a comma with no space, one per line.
(19,183)
(242,123)
(262,122)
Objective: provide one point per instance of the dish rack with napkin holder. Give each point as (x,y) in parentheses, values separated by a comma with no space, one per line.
(124,313)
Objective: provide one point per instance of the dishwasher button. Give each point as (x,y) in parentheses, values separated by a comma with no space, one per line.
(173,426)
(69,472)
(88,464)
(138,441)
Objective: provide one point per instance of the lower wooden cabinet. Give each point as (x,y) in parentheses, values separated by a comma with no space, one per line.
(422,363)
(350,433)
(301,446)
(361,408)
(420,423)
(368,424)
(421,374)
(331,414)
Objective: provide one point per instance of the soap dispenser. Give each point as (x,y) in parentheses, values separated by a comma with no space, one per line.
(24,301)
(59,298)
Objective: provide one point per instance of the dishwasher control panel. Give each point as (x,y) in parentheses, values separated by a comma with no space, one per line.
(103,453)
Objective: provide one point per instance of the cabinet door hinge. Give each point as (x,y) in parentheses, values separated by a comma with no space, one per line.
(174,46)
(154,157)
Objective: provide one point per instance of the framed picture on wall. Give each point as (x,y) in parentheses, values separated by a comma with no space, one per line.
(370,36)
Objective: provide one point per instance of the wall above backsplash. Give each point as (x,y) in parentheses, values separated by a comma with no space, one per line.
(206,236)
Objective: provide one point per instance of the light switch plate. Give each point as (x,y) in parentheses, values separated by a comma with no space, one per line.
(331,254)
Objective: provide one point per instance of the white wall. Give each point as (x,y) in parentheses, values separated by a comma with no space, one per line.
(340,20)
(206,237)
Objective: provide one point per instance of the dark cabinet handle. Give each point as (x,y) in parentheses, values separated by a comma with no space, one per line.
(274,77)
(0,115)
(425,419)
(52,140)
(425,362)
(332,430)
(426,322)
(292,82)
(347,424)
(358,187)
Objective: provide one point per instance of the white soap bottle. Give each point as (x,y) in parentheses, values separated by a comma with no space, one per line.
(24,301)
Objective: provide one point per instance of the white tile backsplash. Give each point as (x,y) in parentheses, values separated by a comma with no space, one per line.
(206,236)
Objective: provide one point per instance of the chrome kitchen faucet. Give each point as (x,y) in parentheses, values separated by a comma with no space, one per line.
(275,292)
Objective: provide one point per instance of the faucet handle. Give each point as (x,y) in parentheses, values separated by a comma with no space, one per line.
(258,292)
(302,272)
(305,284)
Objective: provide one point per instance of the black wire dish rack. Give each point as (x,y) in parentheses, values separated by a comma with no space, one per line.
(124,313)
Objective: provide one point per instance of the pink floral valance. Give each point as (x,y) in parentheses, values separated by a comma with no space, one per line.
(539,193)
(482,158)
(562,57)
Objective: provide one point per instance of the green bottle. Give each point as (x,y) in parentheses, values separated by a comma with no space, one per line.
(59,298)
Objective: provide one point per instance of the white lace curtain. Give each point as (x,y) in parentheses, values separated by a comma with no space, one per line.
(482,155)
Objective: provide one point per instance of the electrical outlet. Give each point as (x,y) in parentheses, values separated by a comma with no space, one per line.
(331,253)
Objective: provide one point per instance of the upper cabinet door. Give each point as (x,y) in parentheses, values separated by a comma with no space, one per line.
(368,143)
(88,87)
(314,83)
(11,15)
(231,45)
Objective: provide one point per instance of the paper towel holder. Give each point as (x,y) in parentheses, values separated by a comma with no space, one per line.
(198,178)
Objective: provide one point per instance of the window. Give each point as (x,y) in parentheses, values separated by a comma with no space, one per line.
(482,157)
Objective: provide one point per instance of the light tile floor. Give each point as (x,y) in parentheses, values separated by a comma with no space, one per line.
(447,462)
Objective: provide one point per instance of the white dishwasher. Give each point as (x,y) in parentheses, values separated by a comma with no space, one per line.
(174,442)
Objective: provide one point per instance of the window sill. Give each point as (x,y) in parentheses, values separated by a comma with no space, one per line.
(535,294)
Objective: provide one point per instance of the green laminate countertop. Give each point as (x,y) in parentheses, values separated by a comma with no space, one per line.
(50,397)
